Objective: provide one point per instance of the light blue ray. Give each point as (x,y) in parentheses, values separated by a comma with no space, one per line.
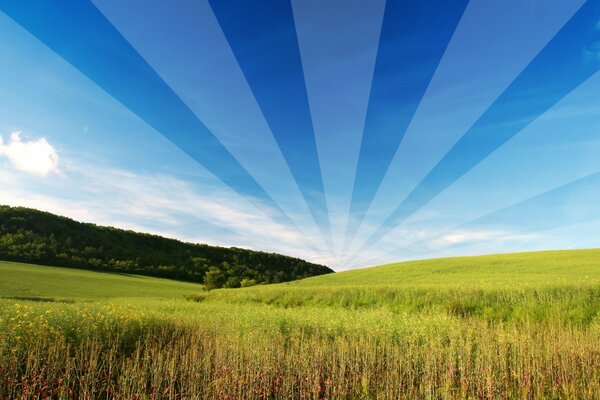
(338,42)
(263,38)
(184,44)
(492,44)
(573,203)
(80,34)
(561,146)
(506,230)
(556,71)
(100,142)
(414,36)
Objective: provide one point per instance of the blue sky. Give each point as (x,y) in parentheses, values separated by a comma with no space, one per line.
(347,133)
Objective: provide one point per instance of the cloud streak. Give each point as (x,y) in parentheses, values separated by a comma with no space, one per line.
(157,203)
(592,53)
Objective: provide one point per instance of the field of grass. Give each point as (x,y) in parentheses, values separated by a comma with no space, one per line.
(43,283)
(537,269)
(518,326)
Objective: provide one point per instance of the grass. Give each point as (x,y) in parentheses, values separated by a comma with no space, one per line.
(517,326)
(502,271)
(54,283)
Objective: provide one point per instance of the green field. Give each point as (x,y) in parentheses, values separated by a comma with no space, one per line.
(43,283)
(493,327)
(536,269)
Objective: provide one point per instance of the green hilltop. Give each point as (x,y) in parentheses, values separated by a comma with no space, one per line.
(530,269)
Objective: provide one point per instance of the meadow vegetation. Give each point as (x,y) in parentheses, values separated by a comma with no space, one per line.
(519,326)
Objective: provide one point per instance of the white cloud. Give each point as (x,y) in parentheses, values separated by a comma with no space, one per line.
(36,157)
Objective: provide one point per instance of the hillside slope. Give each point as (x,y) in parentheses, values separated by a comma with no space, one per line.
(32,236)
(500,287)
(530,269)
(45,284)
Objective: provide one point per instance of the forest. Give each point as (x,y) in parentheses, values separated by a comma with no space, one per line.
(32,236)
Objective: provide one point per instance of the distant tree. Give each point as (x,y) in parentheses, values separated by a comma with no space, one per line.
(214,278)
(247,282)
(232,282)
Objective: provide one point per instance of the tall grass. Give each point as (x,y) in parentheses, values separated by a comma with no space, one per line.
(227,351)
(413,338)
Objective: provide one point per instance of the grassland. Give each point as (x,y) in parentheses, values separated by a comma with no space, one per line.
(517,326)
(42,283)
(536,269)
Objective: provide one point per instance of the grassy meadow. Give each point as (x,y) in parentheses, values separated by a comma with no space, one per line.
(517,326)
(36,282)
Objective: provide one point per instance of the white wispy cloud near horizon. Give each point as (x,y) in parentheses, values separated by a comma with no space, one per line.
(159,204)
(166,205)
(457,242)
(36,157)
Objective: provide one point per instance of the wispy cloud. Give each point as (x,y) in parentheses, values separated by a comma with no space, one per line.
(437,241)
(592,53)
(464,237)
(157,203)
(36,157)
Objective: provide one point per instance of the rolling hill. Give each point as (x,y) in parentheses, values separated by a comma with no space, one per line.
(530,269)
(504,287)
(49,284)
(500,287)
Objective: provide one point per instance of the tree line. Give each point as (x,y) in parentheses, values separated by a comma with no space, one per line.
(28,235)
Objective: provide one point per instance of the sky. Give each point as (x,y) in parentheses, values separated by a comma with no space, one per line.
(345,132)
